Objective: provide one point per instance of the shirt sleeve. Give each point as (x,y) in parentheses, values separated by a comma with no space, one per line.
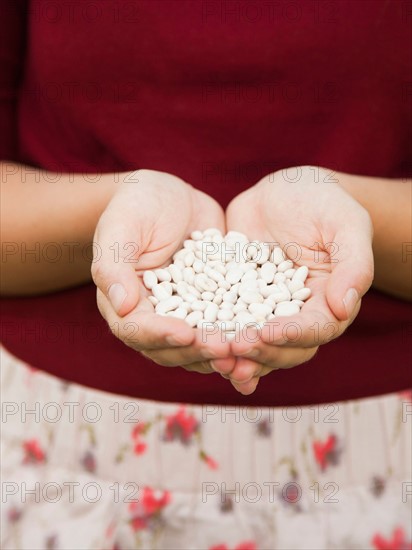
(13,26)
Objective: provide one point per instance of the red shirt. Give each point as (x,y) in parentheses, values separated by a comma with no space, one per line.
(219,94)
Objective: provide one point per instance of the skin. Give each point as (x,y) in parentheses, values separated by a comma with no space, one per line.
(169,209)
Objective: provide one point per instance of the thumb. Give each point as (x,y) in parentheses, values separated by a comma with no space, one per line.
(114,263)
(352,270)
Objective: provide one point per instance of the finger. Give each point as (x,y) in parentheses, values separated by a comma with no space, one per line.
(198,351)
(202,367)
(352,274)
(246,388)
(142,329)
(113,270)
(224,366)
(268,359)
(315,325)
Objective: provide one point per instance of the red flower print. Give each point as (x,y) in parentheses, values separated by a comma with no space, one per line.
(14,514)
(291,494)
(147,511)
(211,462)
(377,486)
(153,502)
(264,428)
(140,448)
(138,431)
(247,545)
(396,542)
(226,503)
(51,542)
(180,426)
(89,462)
(327,452)
(33,452)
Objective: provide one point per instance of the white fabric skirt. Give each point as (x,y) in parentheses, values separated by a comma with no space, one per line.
(84,469)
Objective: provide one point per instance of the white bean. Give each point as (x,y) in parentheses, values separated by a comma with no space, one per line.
(175,273)
(244,317)
(270,289)
(179,313)
(294,285)
(160,292)
(182,287)
(230,297)
(196,235)
(302,294)
(189,259)
(279,277)
(250,275)
(239,306)
(284,266)
(189,298)
(260,311)
(198,266)
(224,284)
(286,309)
(280,297)
(225,315)
(289,273)
(252,297)
(267,272)
(234,275)
(277,256)
(213,274)
(211,312)
(179,255)
(163,275)
(194,291)
(218,299)
(301,273)
(168,305)
(149,279)
(189,245)
(265,253)
(193,318)
(189,275)
(153,300)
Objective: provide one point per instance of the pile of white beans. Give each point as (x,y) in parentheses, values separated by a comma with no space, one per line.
(227,280)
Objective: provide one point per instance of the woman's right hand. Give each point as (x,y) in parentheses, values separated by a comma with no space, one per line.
(144,224)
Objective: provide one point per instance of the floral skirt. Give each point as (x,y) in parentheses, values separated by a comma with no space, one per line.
(84,469)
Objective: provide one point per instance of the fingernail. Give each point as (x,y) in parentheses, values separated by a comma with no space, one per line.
(173,341)
(117,295)
(350,300)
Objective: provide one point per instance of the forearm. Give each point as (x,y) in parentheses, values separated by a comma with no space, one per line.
(389,203)
(47,226)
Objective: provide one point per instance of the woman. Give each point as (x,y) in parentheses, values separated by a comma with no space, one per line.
(109,112)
